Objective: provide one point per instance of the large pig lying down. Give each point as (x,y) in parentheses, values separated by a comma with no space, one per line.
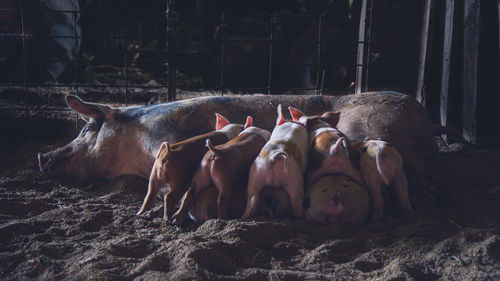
(120,141)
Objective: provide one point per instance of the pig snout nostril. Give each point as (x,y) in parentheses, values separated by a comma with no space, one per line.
(43,162)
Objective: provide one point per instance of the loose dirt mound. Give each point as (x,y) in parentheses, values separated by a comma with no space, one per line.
(57,230)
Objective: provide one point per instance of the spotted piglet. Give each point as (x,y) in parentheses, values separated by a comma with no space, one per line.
(176,164)
(281,163)
(328,147)
(225,166)
(381,164)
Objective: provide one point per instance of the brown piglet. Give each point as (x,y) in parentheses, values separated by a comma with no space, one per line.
(176,164)
(225,166)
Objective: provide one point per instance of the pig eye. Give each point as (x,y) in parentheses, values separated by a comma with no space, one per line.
(90,127)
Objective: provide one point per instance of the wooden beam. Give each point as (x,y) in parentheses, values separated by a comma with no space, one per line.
(445,73)
(471,43)
(361,47)
(423,52)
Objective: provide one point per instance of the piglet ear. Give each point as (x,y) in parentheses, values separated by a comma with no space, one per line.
(280,119)
(296,114)
(220,122)
(249,122)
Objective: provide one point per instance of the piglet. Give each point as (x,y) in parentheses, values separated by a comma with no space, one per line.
(225,166)
(281,163)
(328,147)
(176,164)
(381,164)
(336,199)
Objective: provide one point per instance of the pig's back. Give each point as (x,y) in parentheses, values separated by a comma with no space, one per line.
(296,135)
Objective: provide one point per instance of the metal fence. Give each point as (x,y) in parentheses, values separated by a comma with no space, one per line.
(23,79)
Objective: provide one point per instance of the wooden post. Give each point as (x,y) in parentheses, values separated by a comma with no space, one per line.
(423,52)
(471,44)
(361,46)
(445,74)
(171,50)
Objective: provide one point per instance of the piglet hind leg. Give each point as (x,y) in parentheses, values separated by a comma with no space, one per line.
(224,201)
(374,187)
(172,198)
(295,189)
(200,181)
(400,186)
(255,185)
(149,201)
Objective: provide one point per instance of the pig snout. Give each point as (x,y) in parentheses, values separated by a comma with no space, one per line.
(49,161)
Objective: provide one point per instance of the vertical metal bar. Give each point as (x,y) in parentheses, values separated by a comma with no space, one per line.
(25,75)
(445,71)
(125,45)
(318,61)
(75,63)
(270,67)
(472,28)
(222,38)
(322,82)
(360,55)
(423,52)
(171,50)
(75,51)
(367,45)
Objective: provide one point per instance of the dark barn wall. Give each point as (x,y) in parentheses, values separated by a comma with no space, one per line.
(488,70)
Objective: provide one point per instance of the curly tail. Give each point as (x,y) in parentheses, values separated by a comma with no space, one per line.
(380,167)
(212,148)
(281,156)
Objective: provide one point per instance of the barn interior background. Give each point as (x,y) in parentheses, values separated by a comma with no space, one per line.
(445,53)
(127,52)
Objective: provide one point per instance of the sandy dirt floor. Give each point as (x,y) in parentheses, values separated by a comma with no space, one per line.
(55,230)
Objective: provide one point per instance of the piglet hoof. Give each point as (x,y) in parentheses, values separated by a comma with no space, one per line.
(177,220)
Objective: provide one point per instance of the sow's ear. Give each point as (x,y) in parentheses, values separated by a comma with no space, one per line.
(220,122)
(331,117)
(90,109)
(249,122)
(280,120)
(296,114)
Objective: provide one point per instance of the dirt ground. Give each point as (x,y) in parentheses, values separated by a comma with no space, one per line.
(50,229)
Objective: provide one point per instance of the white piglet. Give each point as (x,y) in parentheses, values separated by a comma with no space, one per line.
(281,163)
